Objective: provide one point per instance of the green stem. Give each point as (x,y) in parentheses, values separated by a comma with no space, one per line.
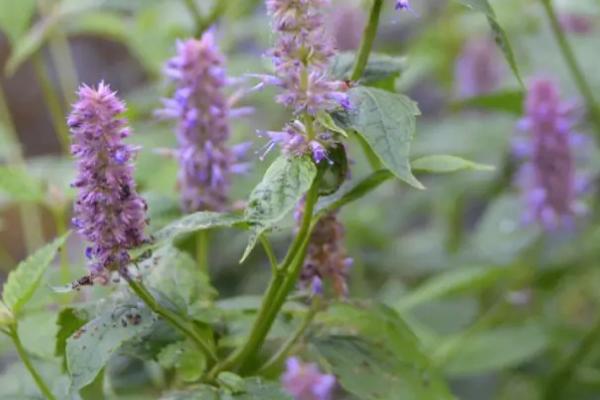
(39,381)
(562,374)
(271,303)
(571,60)
(367,41)
(269,252)
(202,250)
(28,213)
(204,23)
(53,102)
(282,353)
(174,319)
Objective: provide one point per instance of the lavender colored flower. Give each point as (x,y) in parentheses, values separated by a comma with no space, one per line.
(548,177)
(576,23)
(304,381)
(108,211)
(202,110)
(301,56)
(402,5)
(347,24)
(479,69)
(326,256)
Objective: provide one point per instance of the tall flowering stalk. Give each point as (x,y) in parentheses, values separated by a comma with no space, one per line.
(478,69)
(202,111)
(301,57)
(548,177)
(108,211)
(304,381)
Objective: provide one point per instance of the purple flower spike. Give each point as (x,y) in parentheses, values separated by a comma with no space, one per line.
(548,178)
(402,5)
(202,110)
(108,212)
(304,381)
(479,69)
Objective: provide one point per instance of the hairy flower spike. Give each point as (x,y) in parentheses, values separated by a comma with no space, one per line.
(402,5)
(202,110)
(108,212)
(304,381)
(548,178)
(301,57)
(479,69)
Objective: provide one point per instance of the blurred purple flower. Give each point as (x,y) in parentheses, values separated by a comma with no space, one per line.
(479,69)
(304,381)
(347,24)
(202,110)
(576,23)
(108,211)
(403,5)
(548,177)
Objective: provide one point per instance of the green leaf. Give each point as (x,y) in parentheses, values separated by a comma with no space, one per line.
(386,121)
(379,67)
(326,120)
(483,6)
(450,282)
(6,317)
(90,348)
(507,101)
(445,163)
(254,389)
(498,349)
(23,281)
(195,222)
(70,320)
(101,23)
(232,382)
(15,17)
(19,185)
(375,355)
(185,358)
(283,185)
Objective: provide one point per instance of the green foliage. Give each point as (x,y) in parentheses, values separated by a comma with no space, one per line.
(185,358)
(15,17)
(380,67)
(376,355)
(6,317)
(69,321)
(507,101)
(23,281)
(18,185)
(253,389)
(195,222)
(283,185)
(90,348)
(386,121)
(441,164)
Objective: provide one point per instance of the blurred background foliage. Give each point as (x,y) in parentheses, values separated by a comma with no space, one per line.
(496,304)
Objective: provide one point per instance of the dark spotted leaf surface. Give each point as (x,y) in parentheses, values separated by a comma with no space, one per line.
(90,348)
(283,185)
(387,122)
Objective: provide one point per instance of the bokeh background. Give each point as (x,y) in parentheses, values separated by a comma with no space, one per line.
(495,302)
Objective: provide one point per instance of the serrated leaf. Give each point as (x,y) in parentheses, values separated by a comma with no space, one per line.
(497,349)
(232,382)
(90,348)
(283,185)
(18,185)
(386,121)
(379,67)
(442,163)
(185,358)
(23,281)
(450,282)
(254,389)
(483,6)
(375,355)
(15,17)
(196,222)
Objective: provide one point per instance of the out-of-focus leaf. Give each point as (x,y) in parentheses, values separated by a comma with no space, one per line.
(450,282)
(446,163)
(37,331)
(15,17)
(375,355)
(508,101)
(185,358)
(379,67)
(498,349)
(254,389)
(6,317)
(483,6)
(19,185)
(90,348)
(23,281)
(101,23)
(283,185)
(70,320)
(387,123)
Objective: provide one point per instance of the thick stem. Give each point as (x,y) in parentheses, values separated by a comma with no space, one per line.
(39,381)
(53,102)
(282,353)
(367,41)
(184,326)
(272,303)
(560,377)
(204,23)
(571,60)
(269,252)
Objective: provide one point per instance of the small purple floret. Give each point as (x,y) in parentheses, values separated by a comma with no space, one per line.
(304,381)
(108,211)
